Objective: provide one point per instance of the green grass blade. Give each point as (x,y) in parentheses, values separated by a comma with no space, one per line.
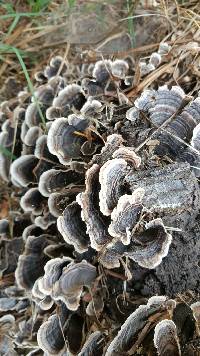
(13,25)
(7,153)
(131,25)
(5,48)
(30,85)
(38,5)
(71,3)
(22,14)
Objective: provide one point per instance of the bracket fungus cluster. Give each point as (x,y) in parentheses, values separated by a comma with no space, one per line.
(109,212)
(174,117)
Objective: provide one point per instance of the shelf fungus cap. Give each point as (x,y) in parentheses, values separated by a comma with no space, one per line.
(45,302)
(31,230)
(155,59)
(57,202)
(8,304)
(32,117)
(125,216)
(132,114)
(4,167)
(50,336)
(53,113)
(32,201)
(57,63)
(128,155)
(7,134)
(92,108)
(70,285)
(45,220)
(96,305)
(36,292)
(56,180)
(150,246)
(68,98)
(4,228)
(119,68)
(64,140)
(113,142)
(164,48)
(41,150)
(165,103)
(39,76)
(111,178)
(110,256)
(195,141)
(52,272)
(146,68)
(31,263)
(146,101)
(102,71)
(93,345)
(31,136)
(72,227)
(90,214)
(21,170)
(44,95)
(166,339)
(128,334)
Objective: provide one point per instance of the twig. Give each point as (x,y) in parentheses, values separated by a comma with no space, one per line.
(115,274)
(185,101)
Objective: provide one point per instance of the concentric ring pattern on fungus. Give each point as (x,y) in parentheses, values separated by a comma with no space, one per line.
(108,221)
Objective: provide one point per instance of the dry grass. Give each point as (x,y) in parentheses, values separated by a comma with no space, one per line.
(37,35)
